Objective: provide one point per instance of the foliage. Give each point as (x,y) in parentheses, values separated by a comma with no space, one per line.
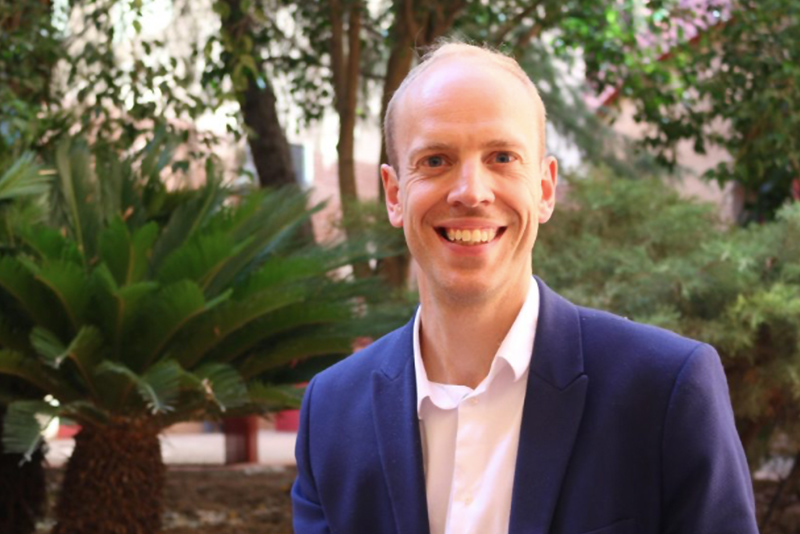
(153,305)
(89,68)
(636,248)
(735,84)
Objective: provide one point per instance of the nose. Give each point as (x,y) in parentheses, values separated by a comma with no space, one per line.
(472,186)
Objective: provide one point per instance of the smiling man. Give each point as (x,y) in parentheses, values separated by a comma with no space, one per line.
(501,407)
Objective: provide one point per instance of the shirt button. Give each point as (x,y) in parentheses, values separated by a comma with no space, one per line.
(473,401)
(468,500)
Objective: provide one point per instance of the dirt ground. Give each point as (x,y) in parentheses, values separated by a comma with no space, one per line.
(255,500)
(218,500)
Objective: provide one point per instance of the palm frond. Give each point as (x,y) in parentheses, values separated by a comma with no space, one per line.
(70,285)
(221,384)
(49,244)
(279,322)
(29,369)
(208,330)
(187,218)
(12,335)
(127,256)
(297,348)
(23,425)
(29,296)
(276,397)
(76,195)
(159,386)
(201,258)
(85,350)
(23,178)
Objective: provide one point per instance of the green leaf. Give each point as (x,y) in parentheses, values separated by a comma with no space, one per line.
(49,244)
(70,285)
(169,310)
(221,384)
(22,179)
(29,295)
(211,328)
(286,351)
(159,387)
(275,398)
(32,371)
(201,258)
(23,425)
(85,350)
(127,257)
(187,218)
(78,198)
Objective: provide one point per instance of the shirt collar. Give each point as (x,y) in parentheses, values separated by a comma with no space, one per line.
(516,349)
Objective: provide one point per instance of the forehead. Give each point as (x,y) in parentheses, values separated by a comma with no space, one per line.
(466,98)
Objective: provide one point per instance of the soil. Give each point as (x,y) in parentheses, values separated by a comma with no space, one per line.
(255,500)
(218,500)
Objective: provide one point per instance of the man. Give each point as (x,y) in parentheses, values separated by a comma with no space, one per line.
(501,407)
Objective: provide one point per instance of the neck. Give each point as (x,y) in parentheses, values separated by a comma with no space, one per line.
(458,341)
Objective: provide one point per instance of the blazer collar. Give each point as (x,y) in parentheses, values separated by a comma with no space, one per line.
(552,413)
(394,396)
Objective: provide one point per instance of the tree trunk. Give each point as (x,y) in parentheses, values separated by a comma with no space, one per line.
(22,490)
(345,68)
(114,482)
(268,144)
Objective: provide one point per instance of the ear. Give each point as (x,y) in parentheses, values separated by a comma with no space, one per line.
(391,187)
(549,177)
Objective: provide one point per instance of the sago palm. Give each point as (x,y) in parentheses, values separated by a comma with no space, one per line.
(141,306)
(22,490)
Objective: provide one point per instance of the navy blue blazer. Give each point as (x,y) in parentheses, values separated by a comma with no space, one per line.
(626,429)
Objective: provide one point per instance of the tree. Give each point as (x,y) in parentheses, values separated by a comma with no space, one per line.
(245,46)
(139,306)
(735,84)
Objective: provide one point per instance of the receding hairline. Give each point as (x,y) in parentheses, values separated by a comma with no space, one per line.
(450,50)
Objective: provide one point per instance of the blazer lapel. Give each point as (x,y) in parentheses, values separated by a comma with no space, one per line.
(394,396)
(551,416)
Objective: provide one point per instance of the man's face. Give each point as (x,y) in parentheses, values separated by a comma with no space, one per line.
(471,185)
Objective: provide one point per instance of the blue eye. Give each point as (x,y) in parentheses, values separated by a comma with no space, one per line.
(504,157)
(434,161)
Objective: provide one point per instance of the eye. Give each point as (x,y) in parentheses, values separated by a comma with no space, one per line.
(433,161)
(504,157)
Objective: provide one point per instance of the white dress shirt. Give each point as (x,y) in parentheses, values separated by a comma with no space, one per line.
(470,437)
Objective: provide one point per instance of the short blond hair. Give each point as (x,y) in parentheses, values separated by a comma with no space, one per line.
(447,49)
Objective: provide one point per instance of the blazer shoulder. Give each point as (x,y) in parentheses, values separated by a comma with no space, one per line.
(602,328)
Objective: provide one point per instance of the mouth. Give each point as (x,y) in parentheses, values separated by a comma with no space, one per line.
(470,236)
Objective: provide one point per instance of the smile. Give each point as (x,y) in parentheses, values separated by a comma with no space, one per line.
(469,236)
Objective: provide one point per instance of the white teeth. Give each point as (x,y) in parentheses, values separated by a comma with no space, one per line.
(471,237)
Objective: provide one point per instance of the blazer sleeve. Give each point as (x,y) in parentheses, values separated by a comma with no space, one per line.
(706,479)
(308,515)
